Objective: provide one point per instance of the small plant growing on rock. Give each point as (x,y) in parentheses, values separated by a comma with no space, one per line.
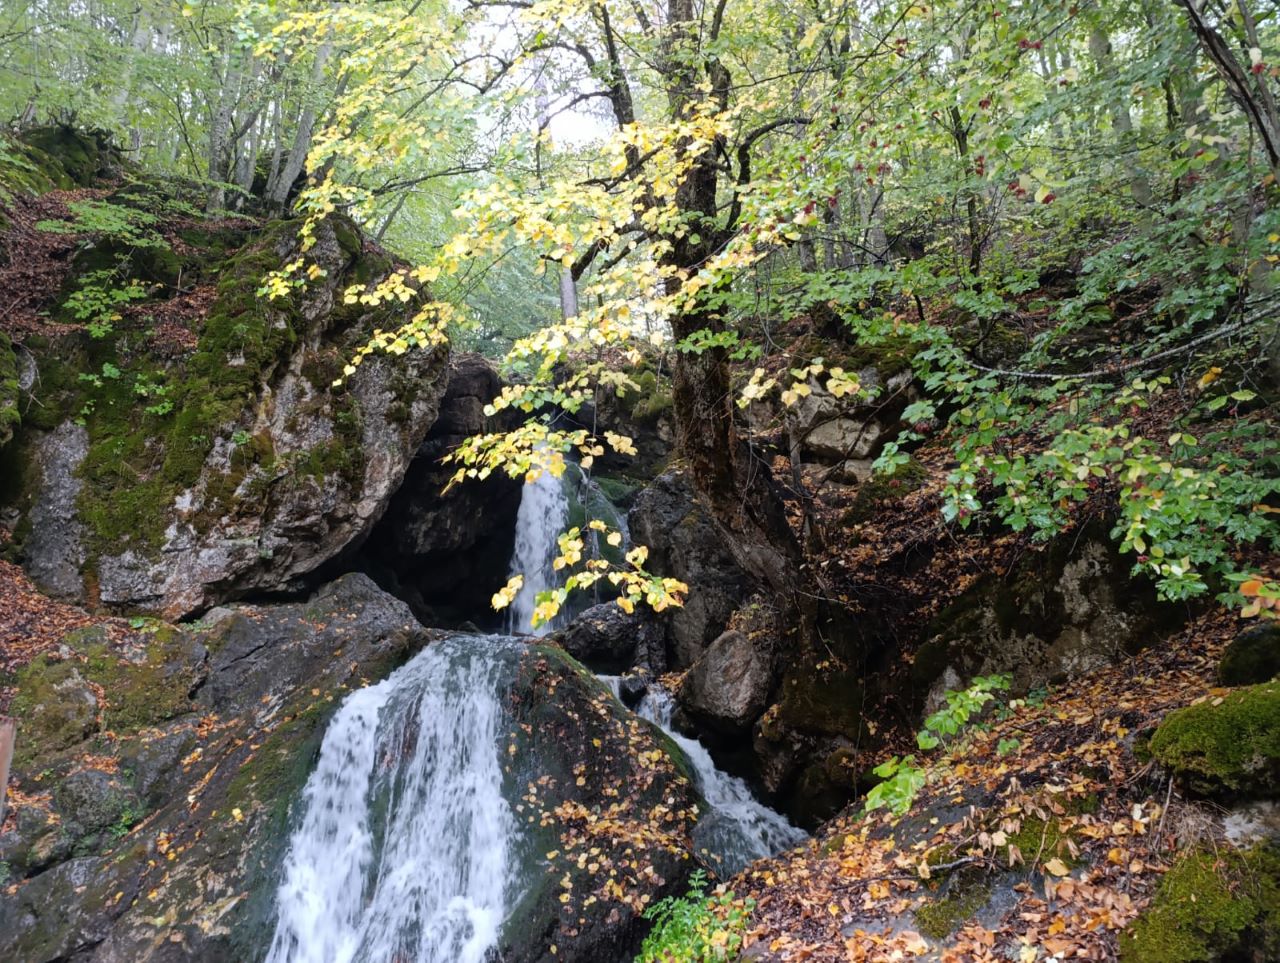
(695,928)
(903,779)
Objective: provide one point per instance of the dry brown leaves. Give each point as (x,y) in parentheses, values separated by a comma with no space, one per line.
(1096,830)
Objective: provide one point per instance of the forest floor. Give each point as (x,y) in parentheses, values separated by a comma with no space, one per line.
(1043,828)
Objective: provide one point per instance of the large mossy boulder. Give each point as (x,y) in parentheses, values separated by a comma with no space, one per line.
(1227,746)
(1211,907)
(159,836)
(609,809)
(208,456)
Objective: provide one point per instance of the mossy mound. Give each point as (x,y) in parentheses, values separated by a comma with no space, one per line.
(1227,746)
(82,155)
(884,488)
(1211,906)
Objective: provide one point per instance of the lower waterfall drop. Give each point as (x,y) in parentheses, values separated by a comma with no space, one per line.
(404,851)
(737,828)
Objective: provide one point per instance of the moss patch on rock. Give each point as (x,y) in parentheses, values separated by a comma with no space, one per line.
(1209,907)
(10,415)
(879,489)
(939,917)
(1227,746)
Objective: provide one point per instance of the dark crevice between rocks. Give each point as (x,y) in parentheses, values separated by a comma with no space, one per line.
(443,553)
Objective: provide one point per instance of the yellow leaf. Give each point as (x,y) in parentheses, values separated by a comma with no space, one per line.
(1057,867)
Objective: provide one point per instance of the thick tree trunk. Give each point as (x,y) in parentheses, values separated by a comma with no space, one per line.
(297,158)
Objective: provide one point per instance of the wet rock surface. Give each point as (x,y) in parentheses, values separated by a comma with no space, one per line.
(685,543)
(177,830)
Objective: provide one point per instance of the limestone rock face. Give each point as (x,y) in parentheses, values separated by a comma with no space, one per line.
(728,687)
(685,543)
(1059,615)
(447,552)
(54,550)
(262,472)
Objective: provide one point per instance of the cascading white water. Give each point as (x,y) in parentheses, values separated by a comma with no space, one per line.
(543,516)
(738,829)
(405,849)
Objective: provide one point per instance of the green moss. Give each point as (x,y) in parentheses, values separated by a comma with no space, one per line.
(1229,746)
(81,154)
(1045,840)
(10,415)
(147,693)
(653,398)
(1211,906)
(879,489)
(939,918)
(54,715)
(25,169)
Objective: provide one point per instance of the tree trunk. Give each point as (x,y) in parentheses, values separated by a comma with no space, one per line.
(297,159)
(8,734)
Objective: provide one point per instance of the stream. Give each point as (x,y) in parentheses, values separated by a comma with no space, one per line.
(404,842)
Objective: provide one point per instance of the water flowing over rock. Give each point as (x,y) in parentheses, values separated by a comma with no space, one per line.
(737,829)
(404,851)
(543,516)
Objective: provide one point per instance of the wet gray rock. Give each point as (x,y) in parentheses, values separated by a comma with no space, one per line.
(65,913)
(270,678)
(1253,656)
(685,543)
(53,549)
(728,687)
(154,764)
(263,654)
(94,799)
(609,640)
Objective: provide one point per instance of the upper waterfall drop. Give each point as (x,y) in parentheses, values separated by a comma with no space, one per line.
(543,516)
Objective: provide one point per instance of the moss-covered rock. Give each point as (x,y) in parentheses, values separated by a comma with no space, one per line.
(880,489)
(610,800)
(1253,656)
(238,466)
(1226,746)
(215,789)
(58,709)
(10,413)
(941,915)
(82,155)
(1210,907)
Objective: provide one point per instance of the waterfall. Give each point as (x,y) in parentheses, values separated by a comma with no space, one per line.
(404,849)
(543,516)
(737,829)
